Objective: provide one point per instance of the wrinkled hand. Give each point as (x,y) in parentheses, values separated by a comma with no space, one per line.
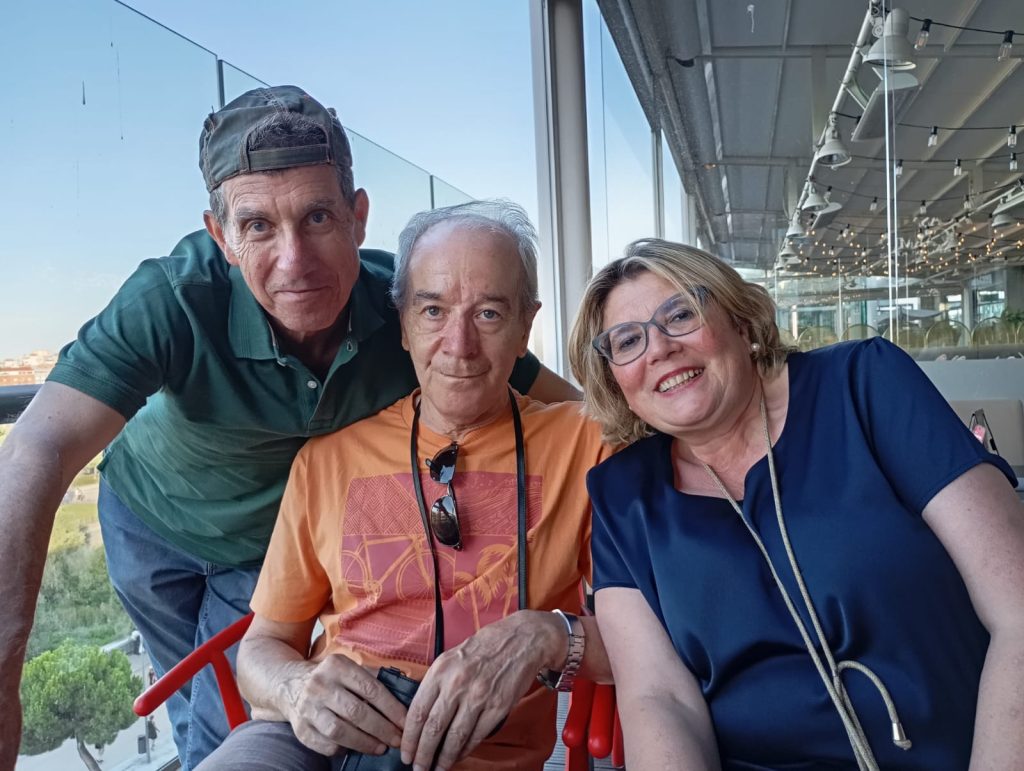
(341,705)
(470,689)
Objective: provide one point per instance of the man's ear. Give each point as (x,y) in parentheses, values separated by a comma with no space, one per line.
(361,212)
(213,227)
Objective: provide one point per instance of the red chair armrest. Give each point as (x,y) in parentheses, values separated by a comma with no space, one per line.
(210,652)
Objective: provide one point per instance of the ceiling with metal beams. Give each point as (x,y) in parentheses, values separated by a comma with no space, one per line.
(743,90)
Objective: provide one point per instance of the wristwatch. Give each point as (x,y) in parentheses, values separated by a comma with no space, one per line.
(562,681)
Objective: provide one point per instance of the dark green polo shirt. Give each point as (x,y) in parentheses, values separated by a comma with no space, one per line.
(216,413)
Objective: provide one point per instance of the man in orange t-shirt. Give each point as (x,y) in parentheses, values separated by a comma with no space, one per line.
(355,548)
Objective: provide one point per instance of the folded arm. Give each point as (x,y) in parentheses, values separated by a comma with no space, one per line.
(980,521)
(549,388)
(665,720)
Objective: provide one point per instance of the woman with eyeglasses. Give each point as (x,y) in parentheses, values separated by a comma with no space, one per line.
(803,560)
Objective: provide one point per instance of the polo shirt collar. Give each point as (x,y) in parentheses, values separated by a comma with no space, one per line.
(363,319)
(249,329)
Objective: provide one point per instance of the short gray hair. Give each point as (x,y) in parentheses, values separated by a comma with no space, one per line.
(288,129)
(495,215)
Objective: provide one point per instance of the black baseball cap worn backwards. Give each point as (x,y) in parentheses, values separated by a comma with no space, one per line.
(224,150)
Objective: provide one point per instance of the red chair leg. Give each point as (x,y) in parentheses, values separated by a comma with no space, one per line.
(234,707)
(574,732)
(602,718)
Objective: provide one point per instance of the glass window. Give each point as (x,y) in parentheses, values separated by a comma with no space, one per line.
(619,144)
(672,195)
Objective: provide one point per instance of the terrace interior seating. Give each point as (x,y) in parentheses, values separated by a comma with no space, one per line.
(1006,419)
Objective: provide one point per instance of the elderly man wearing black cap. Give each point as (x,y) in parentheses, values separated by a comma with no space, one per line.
(205,374)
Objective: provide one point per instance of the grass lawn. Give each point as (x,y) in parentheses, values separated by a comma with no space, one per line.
(84,478)
(72,523)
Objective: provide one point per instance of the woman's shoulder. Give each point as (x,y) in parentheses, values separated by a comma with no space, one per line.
(638,462)
(873,357)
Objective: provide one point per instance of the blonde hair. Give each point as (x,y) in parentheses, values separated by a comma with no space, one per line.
(697,275)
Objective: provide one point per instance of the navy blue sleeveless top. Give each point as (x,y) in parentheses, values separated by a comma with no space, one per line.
(867,442)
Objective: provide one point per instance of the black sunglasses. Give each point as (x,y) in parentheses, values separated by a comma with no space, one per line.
(444,515)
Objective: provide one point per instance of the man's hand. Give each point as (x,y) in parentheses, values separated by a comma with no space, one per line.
(470,689)
(338,704)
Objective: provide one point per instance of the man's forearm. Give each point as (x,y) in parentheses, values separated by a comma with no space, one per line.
(31,486)
(550,388)
(270,675)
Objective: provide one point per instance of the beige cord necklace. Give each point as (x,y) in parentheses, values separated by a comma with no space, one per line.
(833,683)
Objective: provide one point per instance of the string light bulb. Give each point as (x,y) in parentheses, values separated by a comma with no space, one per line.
(1007,46)
(933,137)
(922,36)
(873,206)
(922,209)
(1011,137)
(958,169)
(1013,161)
(898,172)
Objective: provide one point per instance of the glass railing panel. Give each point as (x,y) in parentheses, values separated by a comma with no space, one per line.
(237,82)
(102,123)
(397,190)
(447,195)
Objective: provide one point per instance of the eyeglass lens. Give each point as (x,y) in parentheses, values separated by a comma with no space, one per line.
(626,342)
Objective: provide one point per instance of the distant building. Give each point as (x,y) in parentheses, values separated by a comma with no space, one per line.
(18,374)
(27,370)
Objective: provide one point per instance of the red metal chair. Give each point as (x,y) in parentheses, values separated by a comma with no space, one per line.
(591,727)
(210,652)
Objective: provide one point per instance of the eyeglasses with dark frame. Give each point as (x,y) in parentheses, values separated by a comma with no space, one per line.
(444,514)
(626,342)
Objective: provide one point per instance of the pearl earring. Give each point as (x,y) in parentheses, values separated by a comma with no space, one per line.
(755,347)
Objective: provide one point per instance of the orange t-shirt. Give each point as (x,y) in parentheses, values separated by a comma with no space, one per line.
(349,546)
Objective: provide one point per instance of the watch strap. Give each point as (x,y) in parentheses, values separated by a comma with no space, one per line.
(563,681)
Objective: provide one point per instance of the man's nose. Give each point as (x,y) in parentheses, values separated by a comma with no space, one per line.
(293,250)
(660,344)
(461,336)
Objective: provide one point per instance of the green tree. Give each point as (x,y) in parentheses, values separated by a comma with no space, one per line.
(76,602)
(76,692)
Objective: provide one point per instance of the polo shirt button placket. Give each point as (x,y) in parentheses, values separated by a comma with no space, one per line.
(312,384)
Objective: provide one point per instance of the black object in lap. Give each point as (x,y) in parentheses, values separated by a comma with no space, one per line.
(402,688)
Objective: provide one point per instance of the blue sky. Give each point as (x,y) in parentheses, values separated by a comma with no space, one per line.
(445,84)
(105,109)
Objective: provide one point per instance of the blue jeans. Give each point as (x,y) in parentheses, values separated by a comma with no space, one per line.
(177,602)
